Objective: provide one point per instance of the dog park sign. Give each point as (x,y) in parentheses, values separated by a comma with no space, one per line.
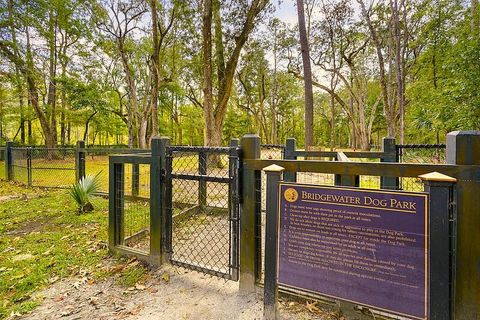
(368,247)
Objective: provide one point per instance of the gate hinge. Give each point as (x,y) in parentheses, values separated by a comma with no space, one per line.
(452,207)
(236,199)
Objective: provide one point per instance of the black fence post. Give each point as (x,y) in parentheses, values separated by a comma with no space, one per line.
(80,160)
(290,149)
(202,185)
(29,166)
(135,179)
(116,198)
(9,161)
(440,188)
(270,293)
(158,211)
(234,205)
(250,219)
(463,148)
(389,150)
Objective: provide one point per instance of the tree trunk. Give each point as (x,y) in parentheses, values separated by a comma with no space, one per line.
(215,116)
(332,124)
(142,133)
(207,74)
(52,85)
(307,75)
(399,68)
(132,97)
(389,113)
(155,68)
(475,16)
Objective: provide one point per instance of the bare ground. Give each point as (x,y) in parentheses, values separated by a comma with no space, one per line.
(170,293)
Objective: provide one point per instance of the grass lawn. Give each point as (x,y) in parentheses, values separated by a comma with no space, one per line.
(43,240)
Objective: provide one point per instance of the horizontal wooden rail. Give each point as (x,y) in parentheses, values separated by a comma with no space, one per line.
(461,172)
(350,154)
(131,158)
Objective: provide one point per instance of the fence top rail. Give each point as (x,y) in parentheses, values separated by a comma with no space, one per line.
(196,149)
(350,154)
(137,158)
(114,150)
(45,148)
(272,146)
(420,146)
(461,172)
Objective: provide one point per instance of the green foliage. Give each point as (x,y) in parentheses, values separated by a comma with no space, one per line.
(83,190)
(52,244)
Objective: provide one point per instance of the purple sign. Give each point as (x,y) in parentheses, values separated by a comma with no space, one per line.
(364,246)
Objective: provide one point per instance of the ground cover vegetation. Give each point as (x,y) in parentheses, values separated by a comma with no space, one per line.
(347,73)
(44,240)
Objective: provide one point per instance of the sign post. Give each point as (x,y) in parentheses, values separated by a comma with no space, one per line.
(274,175)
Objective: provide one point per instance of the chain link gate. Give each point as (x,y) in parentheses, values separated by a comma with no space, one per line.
(203,209)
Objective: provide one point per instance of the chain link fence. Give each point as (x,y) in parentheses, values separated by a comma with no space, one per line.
(418,153)
(44,167)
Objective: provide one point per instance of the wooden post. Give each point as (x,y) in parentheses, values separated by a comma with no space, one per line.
(29,166)
(250,219)
(440,189)
(290,149)
(463,148)
(202,184)
(135,179)
(80,160)
(158,211)
(9,161)
(116,219)
(389,150)
(270,293)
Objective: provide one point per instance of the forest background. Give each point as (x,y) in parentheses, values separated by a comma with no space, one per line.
(341,73)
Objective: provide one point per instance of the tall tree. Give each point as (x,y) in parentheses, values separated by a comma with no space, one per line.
(307,74)
(215,109)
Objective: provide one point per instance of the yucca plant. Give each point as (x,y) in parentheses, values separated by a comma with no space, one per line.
(83,189)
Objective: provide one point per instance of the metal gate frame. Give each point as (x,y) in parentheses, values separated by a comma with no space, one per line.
(202,177)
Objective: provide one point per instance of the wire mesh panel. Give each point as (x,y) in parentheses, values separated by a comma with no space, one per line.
(21,165)
(96,162)
(419,153)
(136,207)
(52,167)
(202,200)
(272,151)
(428,153)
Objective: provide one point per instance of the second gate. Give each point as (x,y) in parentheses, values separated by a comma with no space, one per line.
(203,209)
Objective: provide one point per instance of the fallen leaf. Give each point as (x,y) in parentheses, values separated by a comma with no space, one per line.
(136,310)
(165,277)
(79,282)
(140,287)
(312,307)
(23,257)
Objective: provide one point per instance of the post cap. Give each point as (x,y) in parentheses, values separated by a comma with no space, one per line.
(273,168)
(437,176)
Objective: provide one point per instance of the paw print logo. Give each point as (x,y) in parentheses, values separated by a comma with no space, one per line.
(291,195)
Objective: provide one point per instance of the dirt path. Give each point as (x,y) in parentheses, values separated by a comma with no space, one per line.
(182,294)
